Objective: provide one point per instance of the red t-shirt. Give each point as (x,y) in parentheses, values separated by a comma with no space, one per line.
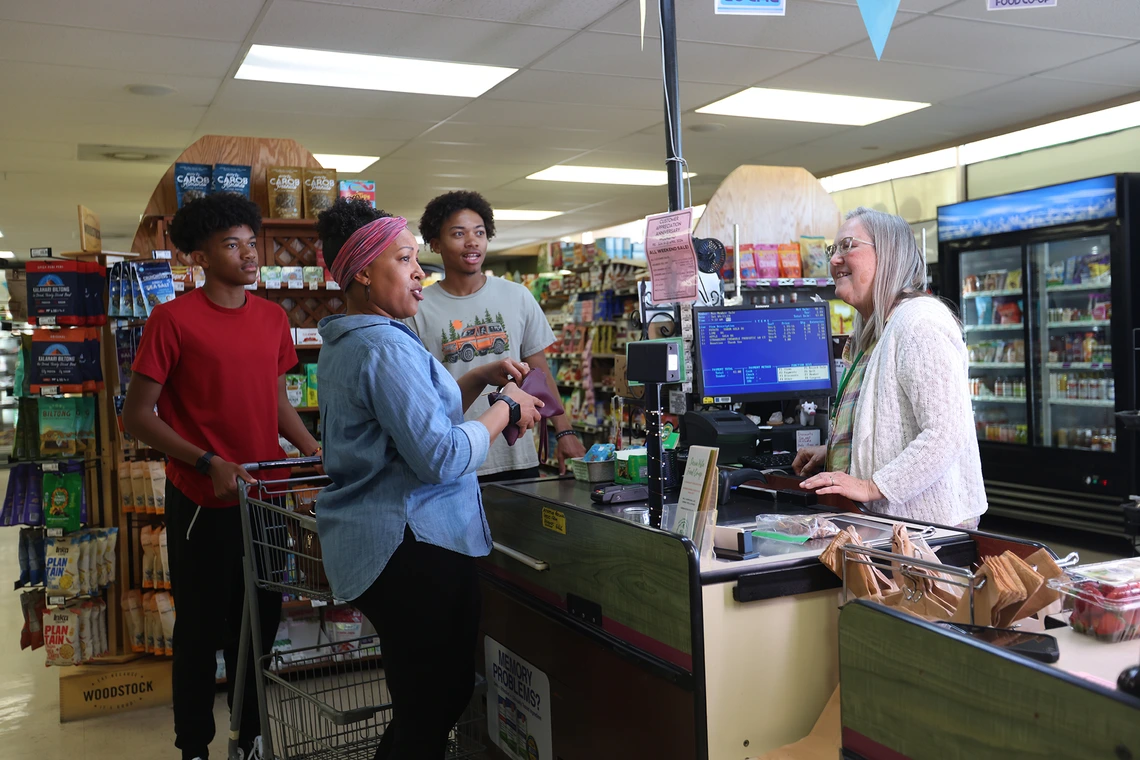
(219,369)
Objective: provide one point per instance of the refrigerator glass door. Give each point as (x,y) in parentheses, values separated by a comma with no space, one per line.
(1073,343)
(993,304)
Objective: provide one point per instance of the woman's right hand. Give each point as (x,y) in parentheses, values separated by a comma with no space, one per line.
(528,405)
(809,460)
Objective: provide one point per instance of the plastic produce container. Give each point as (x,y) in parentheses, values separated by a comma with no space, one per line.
(1105,598)
(592,472)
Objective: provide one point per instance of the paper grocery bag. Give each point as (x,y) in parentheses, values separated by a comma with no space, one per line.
(984,600)
(1033,583)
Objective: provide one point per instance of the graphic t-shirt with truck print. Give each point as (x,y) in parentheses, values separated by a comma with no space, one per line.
(500,320)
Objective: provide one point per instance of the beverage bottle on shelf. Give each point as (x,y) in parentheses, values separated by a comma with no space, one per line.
(1021,388)
(1062,438)
(1111,396)
(999,387)
(1061,382)
(1071,387)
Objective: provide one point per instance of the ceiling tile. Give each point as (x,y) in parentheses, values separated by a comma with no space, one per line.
(1120,67)
(105,85)
(357,135)
(884,79)
(522,137)
(809,26)
(568,15)
(364,30)
(602,90)
(521,114)
(317,103)
(914,6)
(621,55)
(1113,18)
(223,20)
(979,46)
(147,55)
(1037,97)
(423,150)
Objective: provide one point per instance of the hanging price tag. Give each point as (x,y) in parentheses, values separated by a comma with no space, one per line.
(314,286)
(166,255)
(46,321)
(54,532)
(179,287)
(49,390)
(273,284)
(51,466)
(330,285)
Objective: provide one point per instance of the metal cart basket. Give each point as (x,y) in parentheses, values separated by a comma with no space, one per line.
(329,701)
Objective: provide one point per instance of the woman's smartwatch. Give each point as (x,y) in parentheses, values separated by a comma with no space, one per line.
(516,411)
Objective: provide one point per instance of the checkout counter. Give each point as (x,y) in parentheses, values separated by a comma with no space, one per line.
(651,646)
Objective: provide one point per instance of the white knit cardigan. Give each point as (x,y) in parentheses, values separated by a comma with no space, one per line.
(913,430)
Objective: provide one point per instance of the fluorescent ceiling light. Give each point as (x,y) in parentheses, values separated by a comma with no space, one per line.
(1054,133)
(906,167)
(523,215)
(1,233)
(603,175)
(815,107)
(347,164)
(326,68)
(7,255)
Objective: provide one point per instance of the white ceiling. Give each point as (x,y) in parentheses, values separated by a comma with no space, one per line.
(586,93)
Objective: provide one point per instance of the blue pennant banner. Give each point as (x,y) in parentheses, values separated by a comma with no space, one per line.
(878,17)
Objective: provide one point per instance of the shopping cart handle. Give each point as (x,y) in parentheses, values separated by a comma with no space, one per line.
(277,464)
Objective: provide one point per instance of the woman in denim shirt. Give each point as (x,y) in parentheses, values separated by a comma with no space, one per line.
(403,518)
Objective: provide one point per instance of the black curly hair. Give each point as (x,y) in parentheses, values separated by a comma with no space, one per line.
(440,208)
(192,226)
(345,217)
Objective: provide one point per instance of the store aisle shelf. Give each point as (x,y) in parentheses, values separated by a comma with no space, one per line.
(1080,323)
(999,399)
(1097,403)
(997,365)
(1079,365)
(994,328)
(1098,285)
(981,293)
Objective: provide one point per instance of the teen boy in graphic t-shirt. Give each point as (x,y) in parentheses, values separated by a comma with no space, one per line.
(213,362)
(469,319)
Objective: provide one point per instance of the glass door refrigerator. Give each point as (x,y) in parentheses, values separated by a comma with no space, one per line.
(1037,275)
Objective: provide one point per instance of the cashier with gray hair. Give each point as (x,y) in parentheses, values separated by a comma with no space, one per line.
(902,436)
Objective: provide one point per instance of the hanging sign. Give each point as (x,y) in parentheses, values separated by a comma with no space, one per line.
(751,7)
(518,704)
(90,232)
(672,260)
(878,17)
(1005,5)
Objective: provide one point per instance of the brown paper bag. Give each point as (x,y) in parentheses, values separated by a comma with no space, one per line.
(1046,597)
(862,580)
(1032,582)
(984,600)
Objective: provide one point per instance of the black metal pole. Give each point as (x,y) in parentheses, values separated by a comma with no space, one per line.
(672,106)
(654,453)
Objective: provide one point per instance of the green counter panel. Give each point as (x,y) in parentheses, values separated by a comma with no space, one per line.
(925,694)
(640,577)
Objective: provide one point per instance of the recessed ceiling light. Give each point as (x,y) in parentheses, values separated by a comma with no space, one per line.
(151,90)
(604,175)
(128,155)
(815,107)
(906,167)
(1,234)
(523,215)
(7,255)
(347,164)
(325,68)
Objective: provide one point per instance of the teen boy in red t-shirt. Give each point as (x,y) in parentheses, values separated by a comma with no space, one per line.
(214,362)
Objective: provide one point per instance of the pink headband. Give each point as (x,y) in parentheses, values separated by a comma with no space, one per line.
(363,246)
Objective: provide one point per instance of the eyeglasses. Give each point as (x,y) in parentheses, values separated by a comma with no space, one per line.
(843,246)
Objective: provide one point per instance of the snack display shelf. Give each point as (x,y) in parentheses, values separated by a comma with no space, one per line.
(1079,365)
(1079,286)
(306,346)
(995,328)
(999,399)
(980,293)
(49,463)
(782,282)
(306,409)
(1080,323)
(1099,403)
(586,427)
(997,365)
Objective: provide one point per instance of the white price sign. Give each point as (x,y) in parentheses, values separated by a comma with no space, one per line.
(296,285)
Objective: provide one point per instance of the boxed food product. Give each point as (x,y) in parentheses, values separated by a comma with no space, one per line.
(813,254)
(1105,599)
(192,181)
(295,390)
(790,264)
(310,385)
(314,276)
(231,178)
(362,188)
(271,276)
(285,183)
(320,191)
(291,275)
(308,336)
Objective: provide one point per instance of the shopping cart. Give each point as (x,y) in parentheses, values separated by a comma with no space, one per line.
(323,702)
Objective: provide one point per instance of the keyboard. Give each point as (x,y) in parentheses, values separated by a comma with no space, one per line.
(767,461)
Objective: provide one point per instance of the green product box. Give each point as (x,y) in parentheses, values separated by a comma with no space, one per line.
(310,385)
(635,469)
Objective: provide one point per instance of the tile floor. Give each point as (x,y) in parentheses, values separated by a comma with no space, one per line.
(29,692)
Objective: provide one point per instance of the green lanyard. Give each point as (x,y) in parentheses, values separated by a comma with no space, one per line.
(843,383)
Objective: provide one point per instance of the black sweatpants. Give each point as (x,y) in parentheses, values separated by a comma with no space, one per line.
(209,592)
(425,607)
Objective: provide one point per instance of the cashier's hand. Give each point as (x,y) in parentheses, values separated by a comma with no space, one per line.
(843,484)
(528,406)
(809,459)
(505,371)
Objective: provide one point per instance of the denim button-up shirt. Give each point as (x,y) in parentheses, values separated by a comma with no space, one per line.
(396,449)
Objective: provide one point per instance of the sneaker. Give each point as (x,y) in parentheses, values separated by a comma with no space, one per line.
(255,751)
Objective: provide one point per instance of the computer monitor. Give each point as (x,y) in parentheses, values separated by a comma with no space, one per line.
(759,353)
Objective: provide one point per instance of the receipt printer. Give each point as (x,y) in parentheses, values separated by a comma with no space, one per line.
(733,433)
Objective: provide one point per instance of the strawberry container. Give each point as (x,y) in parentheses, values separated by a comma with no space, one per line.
(1105,599)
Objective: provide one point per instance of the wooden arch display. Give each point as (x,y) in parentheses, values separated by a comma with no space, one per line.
(256,152)
(772,204)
